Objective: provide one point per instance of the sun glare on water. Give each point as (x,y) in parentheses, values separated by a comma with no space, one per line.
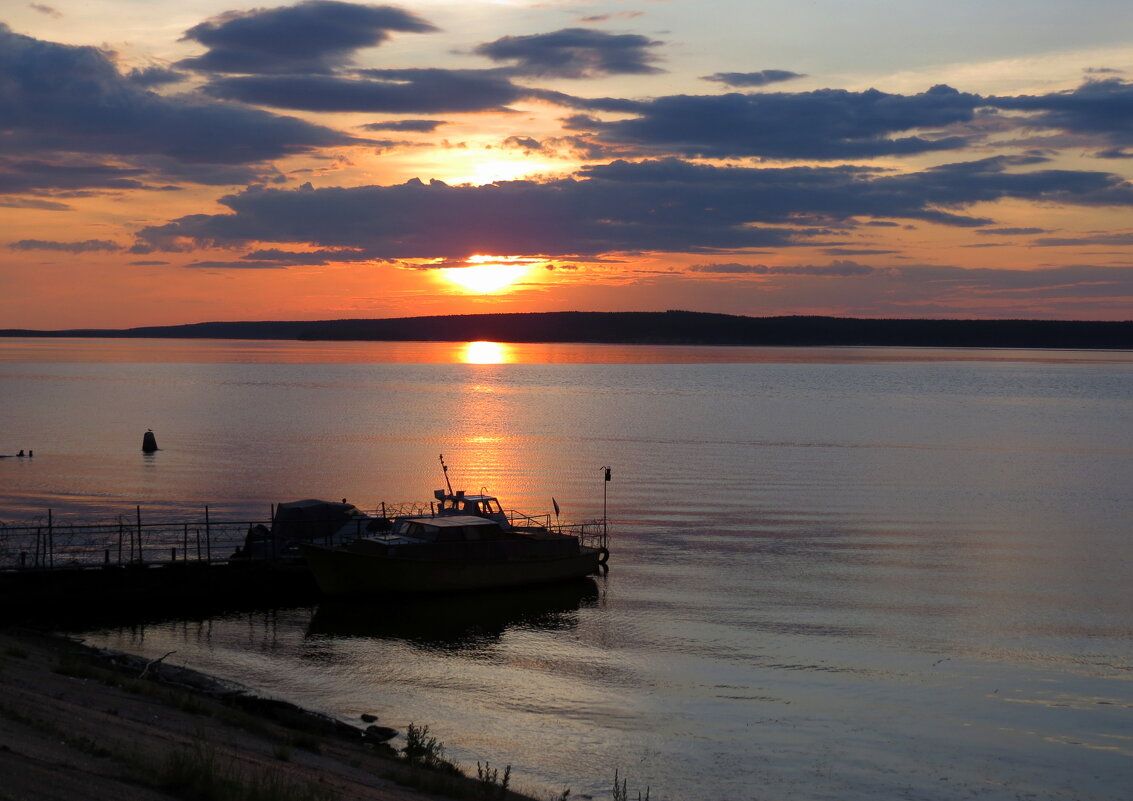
(485,353)
(488,274)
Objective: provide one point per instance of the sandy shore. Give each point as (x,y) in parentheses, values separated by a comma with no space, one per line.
(76,723)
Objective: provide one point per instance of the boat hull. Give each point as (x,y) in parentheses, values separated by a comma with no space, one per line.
(341,572)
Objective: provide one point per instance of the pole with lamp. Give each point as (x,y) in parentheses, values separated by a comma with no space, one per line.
(606,480)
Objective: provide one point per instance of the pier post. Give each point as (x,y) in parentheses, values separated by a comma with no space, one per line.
(50,541)
(173,554)
(138,511)
(208,537)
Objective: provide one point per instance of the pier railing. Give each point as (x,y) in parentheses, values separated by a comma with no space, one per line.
(58,544)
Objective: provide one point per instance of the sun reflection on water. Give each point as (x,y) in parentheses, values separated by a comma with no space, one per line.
(486,353)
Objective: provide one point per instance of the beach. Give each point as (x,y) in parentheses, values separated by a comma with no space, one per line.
(78,722)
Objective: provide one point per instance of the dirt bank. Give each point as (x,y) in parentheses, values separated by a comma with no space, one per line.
(76,723)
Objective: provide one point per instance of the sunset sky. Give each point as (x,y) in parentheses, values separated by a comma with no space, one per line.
(176,162)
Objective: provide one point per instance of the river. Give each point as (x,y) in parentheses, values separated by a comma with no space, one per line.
(837,573)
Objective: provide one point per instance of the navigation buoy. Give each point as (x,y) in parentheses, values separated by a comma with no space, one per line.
(149,442)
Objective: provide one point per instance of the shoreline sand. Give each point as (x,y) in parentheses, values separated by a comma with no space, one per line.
(76,722)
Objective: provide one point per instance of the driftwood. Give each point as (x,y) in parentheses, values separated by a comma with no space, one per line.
(154,662)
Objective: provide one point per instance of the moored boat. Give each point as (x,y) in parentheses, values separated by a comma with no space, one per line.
(448,553)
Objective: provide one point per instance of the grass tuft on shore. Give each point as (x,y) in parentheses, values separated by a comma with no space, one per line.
(196,772)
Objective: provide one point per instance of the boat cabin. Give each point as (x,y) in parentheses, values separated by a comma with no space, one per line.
(450,528)
(459,503)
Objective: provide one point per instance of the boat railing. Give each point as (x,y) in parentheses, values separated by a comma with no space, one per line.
(592,534)
(523,520)
(391,511)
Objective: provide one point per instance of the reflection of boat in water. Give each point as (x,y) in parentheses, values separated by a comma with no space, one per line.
(449,553)
(445,622)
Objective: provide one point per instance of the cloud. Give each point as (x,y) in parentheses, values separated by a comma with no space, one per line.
(87,246)
(858,251)
(44,9)
(663,205)
(313,36)
(240,265)
(72,176)
(1075,281)
(32,203)
(407,91)
(566,147)
(417,126)
(1103,108)
(615,15)
(574,53)
(1103,239)
(154,76)
(838,269)
(60,98)
(523,143)
(1011,231)
(824,124)
(760,78)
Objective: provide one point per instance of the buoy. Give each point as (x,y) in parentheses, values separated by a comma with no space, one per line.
(149,442)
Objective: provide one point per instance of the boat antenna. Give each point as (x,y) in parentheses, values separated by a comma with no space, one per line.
(444,467)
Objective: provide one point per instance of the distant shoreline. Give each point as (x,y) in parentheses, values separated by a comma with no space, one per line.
(652,328)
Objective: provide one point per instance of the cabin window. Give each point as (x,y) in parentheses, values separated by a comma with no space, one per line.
(421,532)
(450,534)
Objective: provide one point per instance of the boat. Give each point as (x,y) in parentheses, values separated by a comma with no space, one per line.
(465,542)
(308,520)
(450,553)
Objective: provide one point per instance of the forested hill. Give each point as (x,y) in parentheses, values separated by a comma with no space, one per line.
(657,328)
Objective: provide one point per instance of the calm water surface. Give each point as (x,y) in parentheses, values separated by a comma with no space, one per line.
(838,573)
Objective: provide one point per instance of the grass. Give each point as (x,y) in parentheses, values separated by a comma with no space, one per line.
(196,772)
(491,786)
(621,793)
(427,752)
(84,744)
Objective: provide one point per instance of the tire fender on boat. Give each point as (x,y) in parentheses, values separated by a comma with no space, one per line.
(603,556)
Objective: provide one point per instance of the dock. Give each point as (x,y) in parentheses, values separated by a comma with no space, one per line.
(57,572)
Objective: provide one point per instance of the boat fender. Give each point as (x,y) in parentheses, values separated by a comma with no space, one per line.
(603,556)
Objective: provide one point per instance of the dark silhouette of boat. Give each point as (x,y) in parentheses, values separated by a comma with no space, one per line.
(449,553)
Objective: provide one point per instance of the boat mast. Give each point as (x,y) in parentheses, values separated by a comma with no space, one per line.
(444,468)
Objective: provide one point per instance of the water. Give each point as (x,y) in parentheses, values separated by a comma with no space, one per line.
(837,574)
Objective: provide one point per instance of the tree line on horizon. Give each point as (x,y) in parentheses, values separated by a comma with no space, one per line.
(653,328)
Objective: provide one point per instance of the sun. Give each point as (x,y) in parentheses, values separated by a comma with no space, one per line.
(487,274)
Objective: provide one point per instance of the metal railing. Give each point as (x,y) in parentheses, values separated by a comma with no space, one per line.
(592,534)
(54,544)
